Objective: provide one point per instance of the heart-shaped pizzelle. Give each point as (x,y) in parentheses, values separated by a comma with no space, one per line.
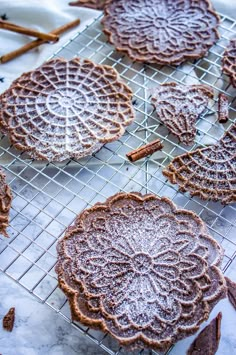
(178,107)
(140,269)
(209,173)
(229,61)
(66,109)
(161,31)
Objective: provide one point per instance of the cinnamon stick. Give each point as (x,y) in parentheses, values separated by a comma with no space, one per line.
(34,44)
(223,108)
(145,150)
(28,31)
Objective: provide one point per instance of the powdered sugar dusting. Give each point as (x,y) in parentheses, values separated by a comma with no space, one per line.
(179,106)
(66,109)
(142,264)
(209,172)
(229,62)
(161,31)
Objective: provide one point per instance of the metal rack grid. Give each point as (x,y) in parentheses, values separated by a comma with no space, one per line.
(47,197)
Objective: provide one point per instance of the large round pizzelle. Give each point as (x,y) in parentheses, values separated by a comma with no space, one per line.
(178,107)
(5,204)
(229,61)
(161,31)
(66,109)
(208,173)
(93,4)
(140,269)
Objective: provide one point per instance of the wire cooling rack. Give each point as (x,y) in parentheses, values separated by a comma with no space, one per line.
(47,197)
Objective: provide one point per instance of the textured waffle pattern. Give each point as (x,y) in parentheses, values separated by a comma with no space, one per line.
(141,269)
(208,172)
(179,106)
(229,62)
(161,31)
(5,204)
(93,4)
(66,109)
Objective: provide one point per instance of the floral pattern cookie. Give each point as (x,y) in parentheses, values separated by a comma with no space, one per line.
(141,269)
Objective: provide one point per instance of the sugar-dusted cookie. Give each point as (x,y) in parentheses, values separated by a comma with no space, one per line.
(66,109)
(208,173)
(140,269)
(178,107)
(161,31)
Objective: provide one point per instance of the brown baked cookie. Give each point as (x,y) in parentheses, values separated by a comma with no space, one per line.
(9,319)
(231,291)
(66,109)
(161,31)
(140,269)
(178,107)
(5,204)
(208,173)
(229,62)
(93,4)
(207,342)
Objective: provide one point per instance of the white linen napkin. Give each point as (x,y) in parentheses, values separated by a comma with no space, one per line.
(44,16)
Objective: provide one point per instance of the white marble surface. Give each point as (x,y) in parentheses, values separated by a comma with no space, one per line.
(38,329)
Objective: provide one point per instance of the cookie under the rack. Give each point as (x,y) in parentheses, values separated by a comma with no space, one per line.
(178,107)
(140,269)
(66,109)
(161,31)
(208,173)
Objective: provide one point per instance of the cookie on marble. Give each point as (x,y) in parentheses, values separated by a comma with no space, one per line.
(178,107)
(93,4)
(208,173)
(9,320)
(66,109)
(140,269)
(207,341)
(161,31)
(229,61)
(5,204)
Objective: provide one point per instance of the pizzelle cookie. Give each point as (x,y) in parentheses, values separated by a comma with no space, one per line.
(66,109)
(93,4)
(140,269)
(178,107)
(229,62)
(161,31)
(5,204)
(208,173)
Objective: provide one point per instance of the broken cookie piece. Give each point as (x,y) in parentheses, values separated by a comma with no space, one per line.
(9,319)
